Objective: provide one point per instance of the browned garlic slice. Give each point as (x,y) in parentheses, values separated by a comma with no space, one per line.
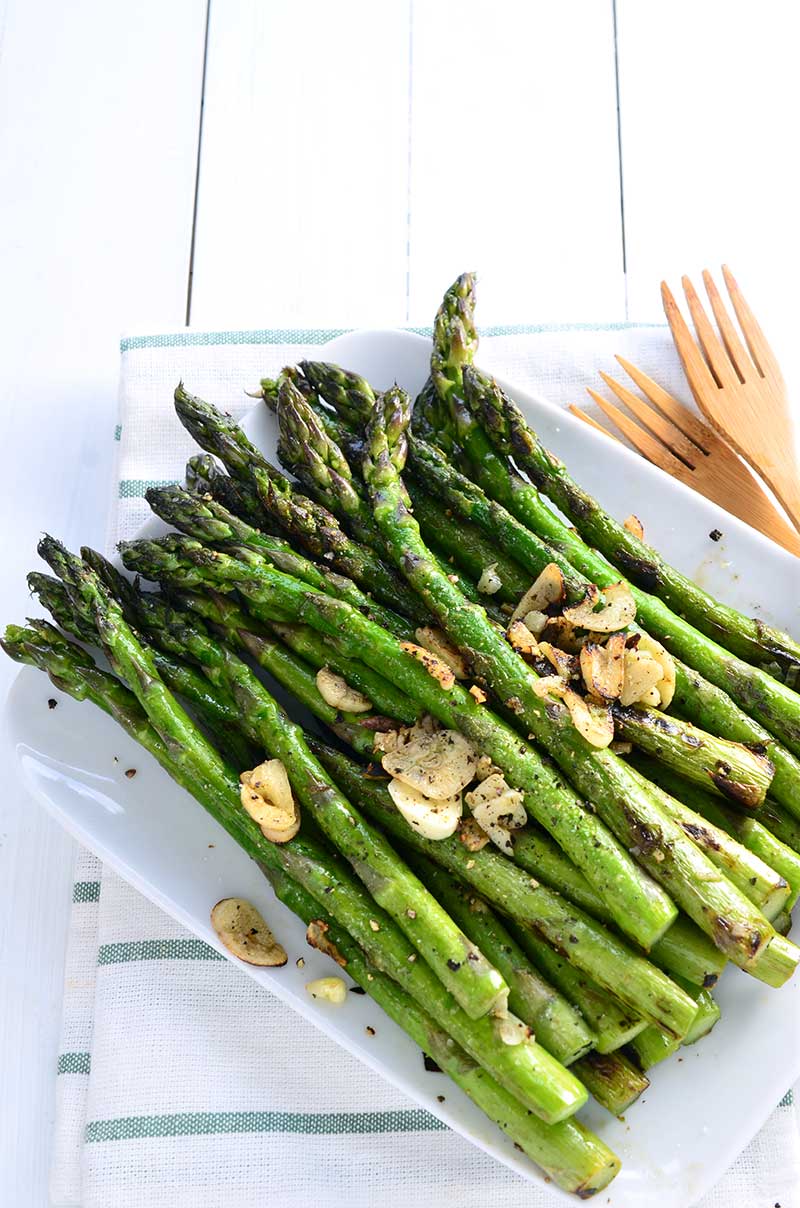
(435,667)
(241,928)
(617,613)
(337,693)
(494,801)
(438,643)
(432,819)
(591,720)
(666,685)
(642,673)
(651,697)
(317,937)
(328,989)
(565,664)
(547,589)
(489,582)
(634,525)
(521,638)
(549,685)
(437,763)
(562,633)
(267,796)
(603,667)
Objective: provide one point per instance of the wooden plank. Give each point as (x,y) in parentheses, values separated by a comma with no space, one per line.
(514,166)
(304,168)
(709,95)
(99,108)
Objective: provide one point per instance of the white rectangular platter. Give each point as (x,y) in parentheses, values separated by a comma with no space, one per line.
(701,1111)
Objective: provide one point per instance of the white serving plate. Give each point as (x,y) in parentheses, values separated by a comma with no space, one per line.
(700,1112)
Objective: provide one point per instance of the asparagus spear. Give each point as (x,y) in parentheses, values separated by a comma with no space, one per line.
(638,905)
(769,700)
(613,1080)
(731,769)
(538,1080)
(566,1152)
(683,949)
(653,1046)
(555,1023)
(613,1023)
(306,448)
(209,521)
(526,1069)
(204,477)
(215,711)
(751,832)
(588,945)
(311,525)
(624,802)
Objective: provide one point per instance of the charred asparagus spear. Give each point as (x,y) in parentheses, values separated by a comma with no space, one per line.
(624,802)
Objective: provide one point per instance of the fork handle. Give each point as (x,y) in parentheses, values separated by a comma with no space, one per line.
(785,482)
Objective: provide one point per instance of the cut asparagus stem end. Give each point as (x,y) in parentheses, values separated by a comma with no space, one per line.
(776,962)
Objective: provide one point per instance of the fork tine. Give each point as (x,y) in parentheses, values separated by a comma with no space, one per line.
(714,351)
(760,351)
(698,375)
(736,350)
(646,444)
(680,415)
(592,423)
(663,428)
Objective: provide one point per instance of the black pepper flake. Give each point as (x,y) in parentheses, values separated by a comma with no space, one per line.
(130,773)
(454,965)
(370,1031)
(357,990)
(52,703)
(573,939)
(715,534)
(519,1147)
(440,1098)
(430,1064)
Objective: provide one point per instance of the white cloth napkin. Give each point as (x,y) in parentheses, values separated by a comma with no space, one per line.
(167,1095)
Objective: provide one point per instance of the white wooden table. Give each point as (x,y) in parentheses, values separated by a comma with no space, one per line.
(264,163)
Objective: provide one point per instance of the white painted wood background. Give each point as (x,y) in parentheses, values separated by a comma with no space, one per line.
(353,157)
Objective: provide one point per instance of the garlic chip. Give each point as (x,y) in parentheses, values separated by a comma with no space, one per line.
(634,525)
(429,818)
(435,666)
(666,685)
(438,763)
(547,589)
(438,643)
(337,693)
(267,797)
(489,582)
(617,613)
(591,720)
(328,989)
(603,667)
(642,674)
(244,933)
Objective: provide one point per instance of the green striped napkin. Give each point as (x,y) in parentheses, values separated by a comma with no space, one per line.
(180,1082)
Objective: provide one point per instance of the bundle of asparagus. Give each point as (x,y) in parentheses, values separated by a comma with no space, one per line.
(536,807)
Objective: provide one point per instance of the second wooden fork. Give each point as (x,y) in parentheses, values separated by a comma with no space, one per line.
(673,438)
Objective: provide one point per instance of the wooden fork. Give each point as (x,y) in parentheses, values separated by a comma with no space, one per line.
(743,397)
(674,439)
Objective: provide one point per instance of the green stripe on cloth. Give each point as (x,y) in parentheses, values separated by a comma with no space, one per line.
(74,1063)
(292,335)
(787,1100)
(86,891)
(134,488)
(157,950)
(118,432)
(192,1124)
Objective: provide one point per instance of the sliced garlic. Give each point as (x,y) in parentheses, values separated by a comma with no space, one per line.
(438,763)
(266,795)
(549,685)
(547,589)
(617,613)
(591,720)
(634,525)
(337,693)
(603,667)
(437,642)
(328,989)
(241,928)
(431,819)
(435,667)
(642,673)
(484,767)
(562,633)
(565,664)
(535,621)
(666,685)
(489,582)
(495,802)
(652,697)
(511,1030)
(521,638)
